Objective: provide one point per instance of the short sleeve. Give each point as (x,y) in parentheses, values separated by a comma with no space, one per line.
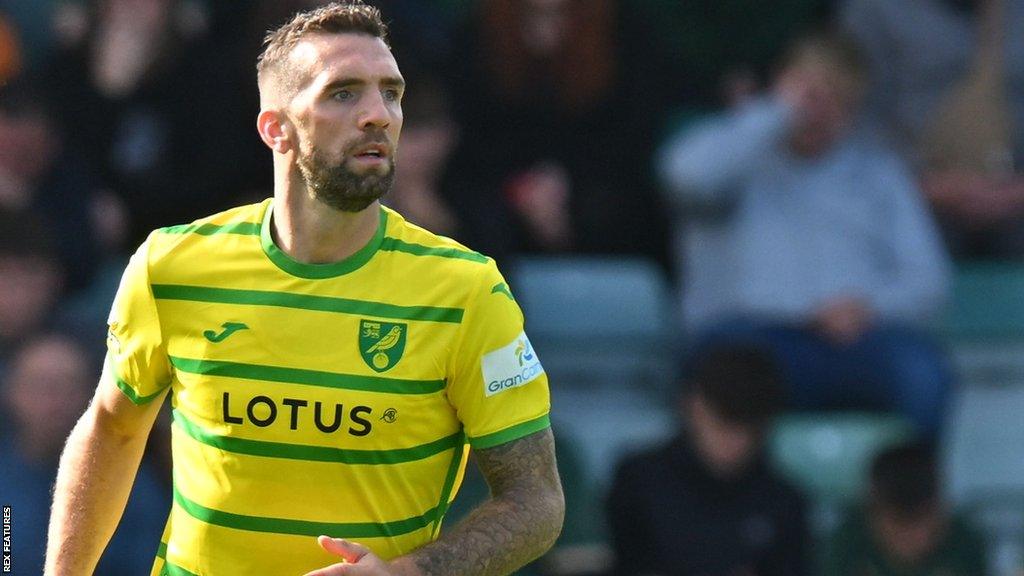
(496,381)
(136,357)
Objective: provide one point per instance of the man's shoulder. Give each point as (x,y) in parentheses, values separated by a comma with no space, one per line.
(244,219)
(872,149)
(404,236)
(648,462)
(238,221)
(414,244)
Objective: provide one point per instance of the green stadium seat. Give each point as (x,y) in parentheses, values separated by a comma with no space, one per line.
(828,456)
(988,302)
(1000,518)
(983,448)
(985,323)
(599,322)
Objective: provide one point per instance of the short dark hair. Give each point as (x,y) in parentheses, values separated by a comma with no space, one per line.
(334,18)
(905,480)
(740,383)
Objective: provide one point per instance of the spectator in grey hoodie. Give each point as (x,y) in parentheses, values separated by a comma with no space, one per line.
(806,234)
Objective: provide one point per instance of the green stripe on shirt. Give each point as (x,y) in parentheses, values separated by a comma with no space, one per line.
(168,568)
(511,433)
(396,245)
(315,453)
(306,302)
(110,372)
(309,377)
(242,228)
(348,530)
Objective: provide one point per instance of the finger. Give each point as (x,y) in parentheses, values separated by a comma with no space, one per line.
(350,551)
(340,569)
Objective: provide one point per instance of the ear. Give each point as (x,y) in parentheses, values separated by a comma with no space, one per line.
(271,126)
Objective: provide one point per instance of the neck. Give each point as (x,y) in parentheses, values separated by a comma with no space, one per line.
(311,232)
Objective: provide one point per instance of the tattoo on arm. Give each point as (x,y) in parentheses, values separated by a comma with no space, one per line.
(520,521)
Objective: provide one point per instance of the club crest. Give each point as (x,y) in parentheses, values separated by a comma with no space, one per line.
(381,344)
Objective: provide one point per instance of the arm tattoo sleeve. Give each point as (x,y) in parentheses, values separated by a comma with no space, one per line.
(517,524)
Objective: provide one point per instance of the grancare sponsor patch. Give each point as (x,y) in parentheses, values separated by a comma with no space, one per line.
(511,366)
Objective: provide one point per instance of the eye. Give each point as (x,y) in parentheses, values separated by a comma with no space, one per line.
(342,95)
(392,95)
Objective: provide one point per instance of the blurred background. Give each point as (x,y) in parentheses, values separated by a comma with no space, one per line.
(771,254)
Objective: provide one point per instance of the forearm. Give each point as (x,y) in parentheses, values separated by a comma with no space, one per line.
(97,470)
(518,524)
(500,536)
(702,164)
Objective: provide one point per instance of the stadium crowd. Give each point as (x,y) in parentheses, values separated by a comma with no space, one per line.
(807,175)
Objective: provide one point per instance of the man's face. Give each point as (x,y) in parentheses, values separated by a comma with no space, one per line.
(27,144)
(907,540)
(29,286)
(346,118)
(47,391)
(832,99)
(725,447)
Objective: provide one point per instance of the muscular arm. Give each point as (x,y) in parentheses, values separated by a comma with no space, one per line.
(97,470)
(520,521)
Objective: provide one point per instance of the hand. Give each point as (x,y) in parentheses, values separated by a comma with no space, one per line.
(358,560)
(843,320)
(541,196)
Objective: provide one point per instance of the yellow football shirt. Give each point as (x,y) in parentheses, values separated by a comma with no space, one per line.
(317,399)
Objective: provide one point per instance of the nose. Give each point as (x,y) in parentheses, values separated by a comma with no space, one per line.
(375,112)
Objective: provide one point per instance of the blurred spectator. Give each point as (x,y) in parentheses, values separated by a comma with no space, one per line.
(10,50)
(39,174)
(949,85)
(707,504)
(905,529)
(31,279)
(428,135)
(557,107)
(814,242)
(151,99)
(47,389)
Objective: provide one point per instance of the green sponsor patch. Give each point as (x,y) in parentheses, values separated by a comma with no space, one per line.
(381,344)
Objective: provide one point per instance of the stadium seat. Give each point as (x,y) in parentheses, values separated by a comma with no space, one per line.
(985,323)
(983,463)
(984,442)
(599,322)
(828,455)
(1001,520)
(610,424)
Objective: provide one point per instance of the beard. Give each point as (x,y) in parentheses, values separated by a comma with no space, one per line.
(337,186)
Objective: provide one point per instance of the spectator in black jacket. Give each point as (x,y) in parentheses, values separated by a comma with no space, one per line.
(905,528)
(706,503)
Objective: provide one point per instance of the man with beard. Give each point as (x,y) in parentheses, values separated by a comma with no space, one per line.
(328,362)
